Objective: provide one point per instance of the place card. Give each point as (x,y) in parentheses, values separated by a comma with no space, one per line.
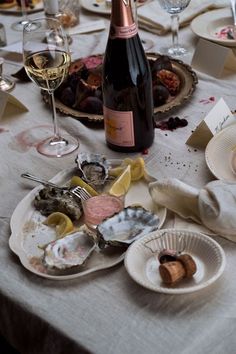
(218,118)
(10,106)
(212,58)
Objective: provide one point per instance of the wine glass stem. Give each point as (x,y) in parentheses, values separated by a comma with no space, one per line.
(23,10)
(175,30)
(54,116)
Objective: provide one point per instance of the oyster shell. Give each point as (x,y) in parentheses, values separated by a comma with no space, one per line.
(93,168)
(70,251)
(50,199)
(126,226)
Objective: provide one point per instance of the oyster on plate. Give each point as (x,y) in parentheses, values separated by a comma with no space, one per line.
(70,251)
(93,168)
(128,225)
(50,200)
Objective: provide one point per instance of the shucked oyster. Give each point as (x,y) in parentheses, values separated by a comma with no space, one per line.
(72,250)
(49,200)
(126,226)
(93,168)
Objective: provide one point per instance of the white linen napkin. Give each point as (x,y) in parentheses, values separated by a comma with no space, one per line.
(213,206)
(156,20)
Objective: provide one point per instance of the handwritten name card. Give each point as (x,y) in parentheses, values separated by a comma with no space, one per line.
(10,106)
(218,118)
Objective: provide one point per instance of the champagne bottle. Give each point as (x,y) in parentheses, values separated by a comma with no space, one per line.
(127,85)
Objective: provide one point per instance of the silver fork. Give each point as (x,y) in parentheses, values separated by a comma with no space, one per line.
(76,191)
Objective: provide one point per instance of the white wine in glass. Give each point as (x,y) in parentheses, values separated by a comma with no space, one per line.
(174,7)
(46,60)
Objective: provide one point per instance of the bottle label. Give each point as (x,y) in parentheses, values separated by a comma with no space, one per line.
(119,127)
(123,32)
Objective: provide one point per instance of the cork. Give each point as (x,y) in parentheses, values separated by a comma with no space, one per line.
(172,272)
(188,263)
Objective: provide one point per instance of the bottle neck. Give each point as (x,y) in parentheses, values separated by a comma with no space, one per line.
(123,24)
(121,13)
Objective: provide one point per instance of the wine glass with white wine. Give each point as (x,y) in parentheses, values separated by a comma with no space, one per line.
(174,7)
(47,59)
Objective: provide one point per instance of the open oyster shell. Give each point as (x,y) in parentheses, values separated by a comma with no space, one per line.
(93,168)
(128,225)
(70,251)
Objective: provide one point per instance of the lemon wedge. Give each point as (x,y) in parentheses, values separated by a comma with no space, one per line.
(122,183)
(77,181)
(61,221)
(137,167)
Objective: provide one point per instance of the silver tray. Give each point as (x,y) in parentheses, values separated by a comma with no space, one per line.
(188,84)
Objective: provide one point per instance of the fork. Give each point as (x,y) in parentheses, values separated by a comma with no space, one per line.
(76,191)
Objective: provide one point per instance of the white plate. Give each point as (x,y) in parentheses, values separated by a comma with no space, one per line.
(141,260)
(219,152)
(210,23)
(15,10)
(98,6)
(29,233)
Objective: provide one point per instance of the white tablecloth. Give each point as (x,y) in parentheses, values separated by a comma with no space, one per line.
(107,312)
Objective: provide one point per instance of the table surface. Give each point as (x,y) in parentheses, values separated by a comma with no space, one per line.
(107,312)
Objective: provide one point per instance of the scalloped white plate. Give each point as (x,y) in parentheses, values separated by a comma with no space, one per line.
(29,233)
(141,260)
(219,154)
(208,24)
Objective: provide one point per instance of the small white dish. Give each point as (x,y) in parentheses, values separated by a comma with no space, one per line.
(141,260)
(208,25)
(219,154)
(98,6)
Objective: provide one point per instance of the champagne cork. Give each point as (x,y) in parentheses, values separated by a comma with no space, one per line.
(167,255)
(172,272)
(189,264)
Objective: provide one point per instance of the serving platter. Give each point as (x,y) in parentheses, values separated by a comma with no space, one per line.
(16,10)
(142,264)
(188,81)
(210,25)
(29,235)
(220,152)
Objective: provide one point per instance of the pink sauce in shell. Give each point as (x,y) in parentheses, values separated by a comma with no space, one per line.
(98,208)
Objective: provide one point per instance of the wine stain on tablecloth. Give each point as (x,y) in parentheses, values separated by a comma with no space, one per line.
(30,138)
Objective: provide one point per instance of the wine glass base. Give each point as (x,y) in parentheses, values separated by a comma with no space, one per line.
(6,84)
(58,147)
(18,26)
(147,44)
(177,51)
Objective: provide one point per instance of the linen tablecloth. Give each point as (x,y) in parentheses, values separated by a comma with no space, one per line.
(107,312)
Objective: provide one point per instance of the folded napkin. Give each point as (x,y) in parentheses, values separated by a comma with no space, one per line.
(156,20)
(214,206)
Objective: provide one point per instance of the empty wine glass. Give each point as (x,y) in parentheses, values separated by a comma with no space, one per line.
(46,60)
(6,84)
(174,7)
(19,25)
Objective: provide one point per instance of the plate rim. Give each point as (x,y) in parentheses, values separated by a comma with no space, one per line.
(209,148)
(187,72)
(222,13)
(14,11)
(175,291)
(105,11)
(15,245)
